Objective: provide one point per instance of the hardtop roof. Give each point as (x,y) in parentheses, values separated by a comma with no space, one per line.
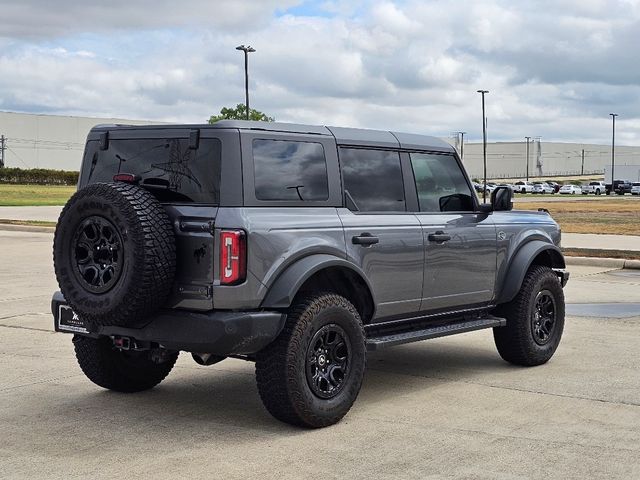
(343,135)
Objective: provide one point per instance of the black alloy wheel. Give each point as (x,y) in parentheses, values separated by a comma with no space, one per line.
(543,318)
(97,254)
(328,361)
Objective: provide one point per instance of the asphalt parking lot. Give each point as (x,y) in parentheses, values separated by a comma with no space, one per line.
(446,408)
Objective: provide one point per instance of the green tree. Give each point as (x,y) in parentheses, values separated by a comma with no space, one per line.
(240,113)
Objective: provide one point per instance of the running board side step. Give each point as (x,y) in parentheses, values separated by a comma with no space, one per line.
(435,331)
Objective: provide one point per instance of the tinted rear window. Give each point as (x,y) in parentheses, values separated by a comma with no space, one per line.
(372,180)
(167,167)
(287,170)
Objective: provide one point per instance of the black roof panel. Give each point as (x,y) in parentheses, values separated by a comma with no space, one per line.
(343,135)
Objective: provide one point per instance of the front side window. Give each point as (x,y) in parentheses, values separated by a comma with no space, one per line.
(372,180)
(288,170)
(440,183)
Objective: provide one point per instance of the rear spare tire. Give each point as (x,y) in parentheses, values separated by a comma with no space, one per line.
(114,254)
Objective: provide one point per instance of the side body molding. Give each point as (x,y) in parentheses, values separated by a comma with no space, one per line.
(521,262)
(282,292)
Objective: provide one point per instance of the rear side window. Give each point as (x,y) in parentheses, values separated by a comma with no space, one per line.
(372,180)
(288,170)
(440,183)
(167,167)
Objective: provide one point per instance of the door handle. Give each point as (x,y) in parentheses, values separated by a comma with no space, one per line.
(365,239)
(439,237)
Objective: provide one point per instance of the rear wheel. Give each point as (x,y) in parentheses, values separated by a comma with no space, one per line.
(312,373)
(535,319)
(122,371)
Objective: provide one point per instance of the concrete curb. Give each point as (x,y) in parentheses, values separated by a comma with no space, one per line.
(603,262)
(26,228)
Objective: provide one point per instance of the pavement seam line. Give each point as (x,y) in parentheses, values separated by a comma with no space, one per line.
(49,380)
(507,436)
(19,327)
(488,385)
(24,315)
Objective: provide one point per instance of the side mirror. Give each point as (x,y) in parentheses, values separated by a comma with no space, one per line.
(501,199)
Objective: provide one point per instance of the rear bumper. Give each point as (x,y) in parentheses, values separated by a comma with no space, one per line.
(217,332)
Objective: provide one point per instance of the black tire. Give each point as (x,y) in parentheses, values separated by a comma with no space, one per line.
(285,376)
(522,341)
(122,371)
(138,251)
(598,191)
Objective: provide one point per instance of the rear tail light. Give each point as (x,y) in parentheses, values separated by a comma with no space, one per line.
(233,257)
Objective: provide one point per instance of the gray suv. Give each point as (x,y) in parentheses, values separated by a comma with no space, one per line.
(298,247)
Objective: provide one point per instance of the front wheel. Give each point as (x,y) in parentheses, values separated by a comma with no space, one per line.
(312,373)
(122,371)
(535,319)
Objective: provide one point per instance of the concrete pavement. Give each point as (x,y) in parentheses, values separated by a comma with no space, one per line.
(45,214)
(601,241)
(445,408)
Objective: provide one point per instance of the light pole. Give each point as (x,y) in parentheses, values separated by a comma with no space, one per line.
(246,50)
(462,134)
(484,146)
(613,150)
(528,139)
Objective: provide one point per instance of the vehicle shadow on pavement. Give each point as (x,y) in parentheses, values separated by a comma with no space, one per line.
(420,364)
(203,401)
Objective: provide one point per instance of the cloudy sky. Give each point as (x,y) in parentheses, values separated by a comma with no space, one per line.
(554,68)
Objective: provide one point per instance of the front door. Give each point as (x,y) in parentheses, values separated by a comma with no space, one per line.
(460,243)
(381,237)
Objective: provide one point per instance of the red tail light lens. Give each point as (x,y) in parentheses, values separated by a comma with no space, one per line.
(126,177)
(233,255)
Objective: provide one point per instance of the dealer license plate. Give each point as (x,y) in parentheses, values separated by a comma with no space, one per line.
(68,320)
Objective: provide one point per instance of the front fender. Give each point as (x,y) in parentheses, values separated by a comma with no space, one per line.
(282,292)
(520,264)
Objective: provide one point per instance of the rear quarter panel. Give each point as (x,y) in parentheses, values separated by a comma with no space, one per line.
(276,238)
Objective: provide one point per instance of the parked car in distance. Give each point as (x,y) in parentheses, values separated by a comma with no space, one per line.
(491,187)
(510,185)
(523,187)
(635,188)
(595,188)
(620,187)
(542,187)
(623,187)
(570,189)
(556,186)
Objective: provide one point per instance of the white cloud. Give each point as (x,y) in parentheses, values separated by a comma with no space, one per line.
(553,68)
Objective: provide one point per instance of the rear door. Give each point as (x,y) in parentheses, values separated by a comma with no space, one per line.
(460,243)
(381,236)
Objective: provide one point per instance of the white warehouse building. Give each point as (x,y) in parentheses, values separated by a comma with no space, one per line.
(48,141)
(54,141)
(546,159)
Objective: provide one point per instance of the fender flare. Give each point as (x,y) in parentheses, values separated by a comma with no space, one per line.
(284,289)
(520,264)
